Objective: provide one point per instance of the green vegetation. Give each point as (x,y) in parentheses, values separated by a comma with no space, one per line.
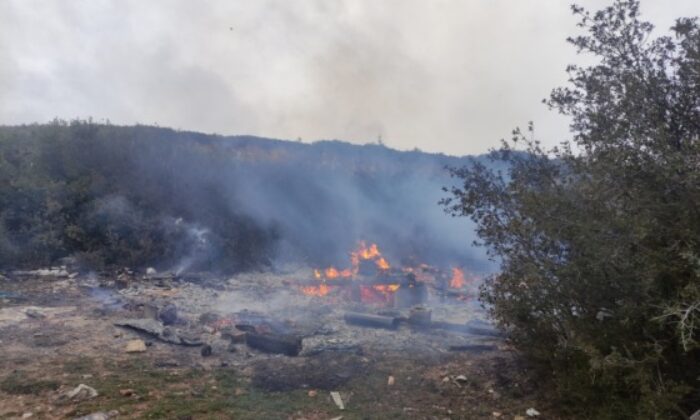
(599,239)
(18,384)
(128,196)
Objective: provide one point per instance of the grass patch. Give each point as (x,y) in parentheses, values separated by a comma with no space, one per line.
(18,384)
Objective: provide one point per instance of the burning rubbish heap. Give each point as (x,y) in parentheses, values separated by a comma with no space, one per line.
(371,279)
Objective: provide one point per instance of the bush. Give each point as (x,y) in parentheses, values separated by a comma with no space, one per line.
(599,239)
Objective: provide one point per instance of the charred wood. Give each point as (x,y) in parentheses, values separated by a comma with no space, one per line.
(271,343)
(369,320)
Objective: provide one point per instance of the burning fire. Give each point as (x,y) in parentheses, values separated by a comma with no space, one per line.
(320,290)
(357,257)
(457,281)
(362,253)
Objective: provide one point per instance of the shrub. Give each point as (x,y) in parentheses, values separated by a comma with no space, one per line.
(599,239)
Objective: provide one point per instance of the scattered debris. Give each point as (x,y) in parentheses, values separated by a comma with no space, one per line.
(390,381)
(135,346)
(369,320)
(531,412)
(337,400)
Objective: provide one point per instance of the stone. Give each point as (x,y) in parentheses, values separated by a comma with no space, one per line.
(100,415)
(695,416)
(531,412)
(135,346)
(168,314)
(81,392)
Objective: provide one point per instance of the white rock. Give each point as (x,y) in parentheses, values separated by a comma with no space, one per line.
(532,412)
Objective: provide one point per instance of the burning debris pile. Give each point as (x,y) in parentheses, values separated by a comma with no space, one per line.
(370,279)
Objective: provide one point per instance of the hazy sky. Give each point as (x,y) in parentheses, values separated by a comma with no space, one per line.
(441,75)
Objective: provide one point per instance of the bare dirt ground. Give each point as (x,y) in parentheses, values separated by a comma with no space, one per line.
(57,333)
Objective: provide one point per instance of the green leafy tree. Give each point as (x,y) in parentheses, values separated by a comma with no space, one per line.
(599,239)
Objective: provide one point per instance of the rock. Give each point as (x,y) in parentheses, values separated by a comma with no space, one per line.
(337,400)
(168,314)
(27,415)
(313,393)
(390,381)
(206,350)
(695,416)
(531,412)
(100,415)
(33,313)
(135,346)
(461,379)
(126,392)
(150,271)
(81,392)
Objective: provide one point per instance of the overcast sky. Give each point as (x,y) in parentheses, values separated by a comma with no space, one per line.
(440,75)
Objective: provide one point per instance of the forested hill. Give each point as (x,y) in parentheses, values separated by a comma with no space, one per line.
(141,195)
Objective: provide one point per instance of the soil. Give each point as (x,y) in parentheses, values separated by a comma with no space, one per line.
(58,333)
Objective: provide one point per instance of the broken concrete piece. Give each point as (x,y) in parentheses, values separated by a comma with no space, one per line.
(135,346)
(337,400)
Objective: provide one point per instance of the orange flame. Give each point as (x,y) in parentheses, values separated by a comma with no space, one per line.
(320,290)
(457,281)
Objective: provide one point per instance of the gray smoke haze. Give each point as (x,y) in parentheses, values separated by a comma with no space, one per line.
(445,76)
